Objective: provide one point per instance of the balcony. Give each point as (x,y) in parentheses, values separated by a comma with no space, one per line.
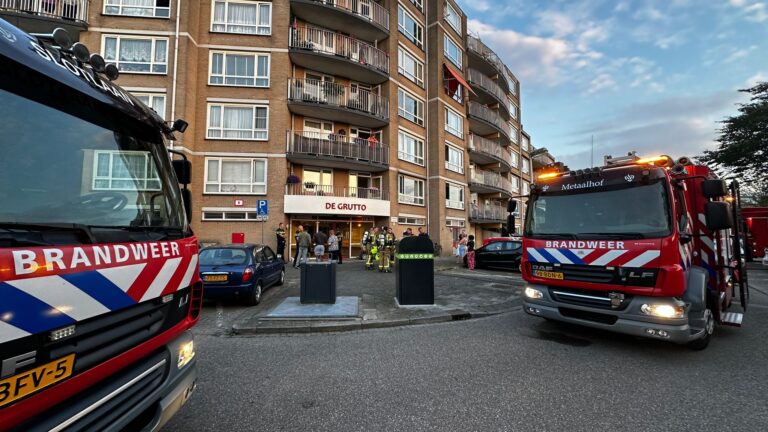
(487,62)
(331,101)
(484,214)
(336,54)
(330,200)
(483,151)
(488,182)
(364,18)
(488,92)
(43,16)
(337,151)
(485,121)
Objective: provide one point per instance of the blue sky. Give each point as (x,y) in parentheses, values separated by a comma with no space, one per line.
(648,75)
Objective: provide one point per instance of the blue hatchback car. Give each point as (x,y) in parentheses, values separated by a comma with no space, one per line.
(243,270)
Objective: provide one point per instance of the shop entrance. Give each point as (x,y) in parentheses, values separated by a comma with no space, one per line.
(349,231)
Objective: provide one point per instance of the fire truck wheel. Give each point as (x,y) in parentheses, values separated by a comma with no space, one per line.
(709,328)
(255,297)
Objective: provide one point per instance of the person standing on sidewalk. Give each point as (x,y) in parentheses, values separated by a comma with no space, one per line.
(304,242)
(280,234)
(333,247)
(320,241)
(462,249)
(471,252)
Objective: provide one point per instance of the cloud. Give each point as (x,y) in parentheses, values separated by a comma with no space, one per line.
(756,78)
(601,82)
(752,11)
(740,53)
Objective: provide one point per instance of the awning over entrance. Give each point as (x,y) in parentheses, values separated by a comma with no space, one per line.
(453,80)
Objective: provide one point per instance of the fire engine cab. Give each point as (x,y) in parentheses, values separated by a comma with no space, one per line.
(641,246)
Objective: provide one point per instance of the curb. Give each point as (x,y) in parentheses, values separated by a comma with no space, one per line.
(334,327)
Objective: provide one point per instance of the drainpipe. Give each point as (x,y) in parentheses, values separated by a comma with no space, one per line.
(426,122)
(175,63)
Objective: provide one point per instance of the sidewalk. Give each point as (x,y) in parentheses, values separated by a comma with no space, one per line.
(459,294)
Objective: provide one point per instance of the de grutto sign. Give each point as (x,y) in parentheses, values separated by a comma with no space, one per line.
(311,204)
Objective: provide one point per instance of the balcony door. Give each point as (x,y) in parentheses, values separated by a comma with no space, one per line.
(319,88)
(360,98)
(318,181)
(364,185)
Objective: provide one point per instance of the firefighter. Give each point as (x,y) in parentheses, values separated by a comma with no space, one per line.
(370,245)
(383,244)
(389,241)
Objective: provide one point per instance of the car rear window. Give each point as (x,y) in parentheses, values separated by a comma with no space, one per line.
(223,256)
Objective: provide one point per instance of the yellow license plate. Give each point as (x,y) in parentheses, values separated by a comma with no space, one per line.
(548,274)
(31,381)
(216,278)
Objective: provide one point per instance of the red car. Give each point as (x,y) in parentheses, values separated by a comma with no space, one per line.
(497,239)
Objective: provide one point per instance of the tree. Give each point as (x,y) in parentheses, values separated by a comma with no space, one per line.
(743,148)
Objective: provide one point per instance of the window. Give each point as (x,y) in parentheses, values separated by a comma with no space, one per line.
(515,184)
(235,176)
(512,109)
(418,4)
(453,17)
(452,51)
(245,17)
(410,67)
(405,220)
(454,123)
(513,133)
(526,166)
(245,70)
(455,223)
(139,8)
(156,101)
(317,180)
(526,143)
(411,191)
(234,215)
(454,196)
(525,188)
(410,148)
(136,54)
(513,158)
(454,159)
(243,122)
(124,171)
(409,107)
(409,27)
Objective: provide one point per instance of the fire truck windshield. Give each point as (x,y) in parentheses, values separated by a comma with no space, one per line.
(631,211)
(58,168)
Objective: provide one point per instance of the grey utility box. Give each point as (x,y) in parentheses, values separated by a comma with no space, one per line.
(318,282)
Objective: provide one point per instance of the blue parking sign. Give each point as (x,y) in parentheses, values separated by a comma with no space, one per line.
(262,208)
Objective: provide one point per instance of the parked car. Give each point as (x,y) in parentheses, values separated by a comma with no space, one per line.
(498,239)
(243,270)
(499,254)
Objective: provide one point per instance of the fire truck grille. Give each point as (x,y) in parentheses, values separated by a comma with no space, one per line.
(626,276)
(588,316)
(584,273)
(594,299)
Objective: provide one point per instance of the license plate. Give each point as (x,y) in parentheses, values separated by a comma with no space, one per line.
(215,278)
(548,274)
(31,381)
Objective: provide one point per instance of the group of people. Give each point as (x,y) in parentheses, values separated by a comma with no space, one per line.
(379,245)
(304,242)
(466,247)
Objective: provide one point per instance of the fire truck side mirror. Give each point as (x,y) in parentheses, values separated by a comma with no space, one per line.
(186,198)
(714,188)
(183,170)
(511,206)
(511,224)
(718,215)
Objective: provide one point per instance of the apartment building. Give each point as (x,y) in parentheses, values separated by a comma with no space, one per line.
(342,114)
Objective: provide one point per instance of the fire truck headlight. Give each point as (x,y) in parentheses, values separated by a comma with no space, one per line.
(186,354)
(533,293)
(663,310)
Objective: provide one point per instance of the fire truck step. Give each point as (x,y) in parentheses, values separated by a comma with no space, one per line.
(732,319)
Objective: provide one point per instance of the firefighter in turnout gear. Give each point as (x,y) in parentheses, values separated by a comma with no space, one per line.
(369,243)
(386,242)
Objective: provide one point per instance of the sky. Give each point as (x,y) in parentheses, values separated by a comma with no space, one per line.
(655,76)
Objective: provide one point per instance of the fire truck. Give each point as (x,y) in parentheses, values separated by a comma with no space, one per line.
(98,266)
(756,222)
(642,246)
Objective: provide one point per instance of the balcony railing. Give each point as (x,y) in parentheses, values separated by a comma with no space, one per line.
(491,179)
(458,205)
(336,44)
(368,151)
(333,94)
(336,191)
(365,9)
(484,113)
(73,10)
(489,147)
(486,83)
(493,212)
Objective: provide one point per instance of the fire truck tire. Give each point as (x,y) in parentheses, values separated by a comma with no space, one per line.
(254,297)
(709,328)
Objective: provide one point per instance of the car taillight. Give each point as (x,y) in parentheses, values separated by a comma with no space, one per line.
(247,274)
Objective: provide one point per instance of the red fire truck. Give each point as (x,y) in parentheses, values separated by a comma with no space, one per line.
(756,223)
(642,246)
(98,266)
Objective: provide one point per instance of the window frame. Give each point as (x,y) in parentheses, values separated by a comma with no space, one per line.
(226,25)
(250,216)
(223,105)
(450,166)
(152,96)
(526,166)
(152,62)
(458,62)
(457,26)
(110,178)
(403,52)
(220,160)
(224,75)
(401,178)
(417,120)
(121,6)
(418,41)
(450,130)
(417,140)
(462,195)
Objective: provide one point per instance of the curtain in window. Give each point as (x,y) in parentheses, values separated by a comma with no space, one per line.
(264,16)
(219,10)
(238,122)
(242,18)
(138,7)
(214,122)
(110,49)
(233,172)
(133,50)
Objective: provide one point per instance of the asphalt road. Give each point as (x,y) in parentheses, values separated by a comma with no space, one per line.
(509,372)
